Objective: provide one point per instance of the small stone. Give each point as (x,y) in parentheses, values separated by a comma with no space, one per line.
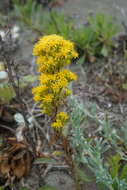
(3,76)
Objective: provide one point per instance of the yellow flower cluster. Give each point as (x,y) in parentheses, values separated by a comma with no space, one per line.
(53,54)
(61,119)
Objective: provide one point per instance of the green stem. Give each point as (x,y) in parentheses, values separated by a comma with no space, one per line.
(69,160)
(76,177)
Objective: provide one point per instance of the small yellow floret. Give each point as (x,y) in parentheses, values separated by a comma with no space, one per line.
(57,125)
(61,120)
(48,98)
(37,98)
(66,92)
(62,116)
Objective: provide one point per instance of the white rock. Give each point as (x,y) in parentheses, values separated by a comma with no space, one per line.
(2,34)
(15,32)
(19,118)
(15,29)
(3,75)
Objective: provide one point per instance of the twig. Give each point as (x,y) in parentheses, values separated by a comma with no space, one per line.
(8,65)
(121,108)
(58,167)
(8,128)
(30,111)
(124,26)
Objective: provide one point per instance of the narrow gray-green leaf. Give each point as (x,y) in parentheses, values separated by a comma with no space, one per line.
(44,160)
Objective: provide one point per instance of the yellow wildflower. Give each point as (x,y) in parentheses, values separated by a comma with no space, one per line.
(58,124)
(67,92)
(75,54)
(39,89)
(37,98)
(48,98)
(54,47)
(56,88)
(38,92)
(62,116)
(53,54)
(61,120)
(68,75)
(41,59)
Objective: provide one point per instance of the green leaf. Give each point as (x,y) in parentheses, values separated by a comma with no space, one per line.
(27,79)
(44,160)
(83,176)
(48,187)
(6,93)
(24,188)
(65,131)
(124,86)
(124,172)
(1,141)
(81,61)
(1,188)
(114,165)
(104,51)
(30,78)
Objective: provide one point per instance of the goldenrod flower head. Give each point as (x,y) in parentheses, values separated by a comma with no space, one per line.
(39,92)
(56,88)
(53,54)
(37,98)
(57,125)
(68,75)
(46,78)
(39,89)
(41,59)
(51,43)
(47,98)
(61,119)
(62,116)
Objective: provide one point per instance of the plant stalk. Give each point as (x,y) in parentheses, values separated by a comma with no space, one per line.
(70,161)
